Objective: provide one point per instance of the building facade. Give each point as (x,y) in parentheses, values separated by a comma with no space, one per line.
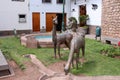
(43,11)
(14,14)
(36,15)
(92,8)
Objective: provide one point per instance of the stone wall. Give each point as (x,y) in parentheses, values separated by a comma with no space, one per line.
(111,18)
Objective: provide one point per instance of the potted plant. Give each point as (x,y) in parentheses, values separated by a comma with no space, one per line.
(82,21)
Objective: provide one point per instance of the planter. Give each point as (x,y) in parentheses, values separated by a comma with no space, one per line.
(83,29)
(86,30)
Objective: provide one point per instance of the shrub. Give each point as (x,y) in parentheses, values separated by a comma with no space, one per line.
(83,19)
(110,51)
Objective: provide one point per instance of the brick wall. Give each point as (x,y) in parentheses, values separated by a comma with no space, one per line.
(111,18)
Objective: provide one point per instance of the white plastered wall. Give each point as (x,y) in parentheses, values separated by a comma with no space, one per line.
(9,11)
(43,8)
(94,15)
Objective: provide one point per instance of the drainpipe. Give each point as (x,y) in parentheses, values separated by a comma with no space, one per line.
(15,32)
(63,24)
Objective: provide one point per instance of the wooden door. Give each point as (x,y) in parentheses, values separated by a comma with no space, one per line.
(49,23)
(36,22)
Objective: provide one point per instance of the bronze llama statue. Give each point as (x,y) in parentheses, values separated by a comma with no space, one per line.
(77,42)
(63,38)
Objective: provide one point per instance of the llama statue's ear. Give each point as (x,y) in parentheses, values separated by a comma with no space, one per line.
(56,16)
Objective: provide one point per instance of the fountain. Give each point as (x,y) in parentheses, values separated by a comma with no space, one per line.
(37,40)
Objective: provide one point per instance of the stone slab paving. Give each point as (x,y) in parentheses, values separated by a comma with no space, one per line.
(51,75)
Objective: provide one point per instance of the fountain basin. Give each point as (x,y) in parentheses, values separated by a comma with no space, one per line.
(36,40)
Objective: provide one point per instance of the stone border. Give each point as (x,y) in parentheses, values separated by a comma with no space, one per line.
(5,66)
(32,43)
(11,73)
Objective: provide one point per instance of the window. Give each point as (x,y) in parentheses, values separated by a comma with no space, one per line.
(46,1)
(60,1)
(19,0)
(22,18)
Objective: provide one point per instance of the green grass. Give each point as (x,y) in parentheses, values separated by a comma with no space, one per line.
(96,63)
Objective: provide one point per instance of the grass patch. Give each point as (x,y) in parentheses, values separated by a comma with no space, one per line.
(110,51)
(95,65)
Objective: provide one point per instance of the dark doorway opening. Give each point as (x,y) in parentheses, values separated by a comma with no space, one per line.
(82,12)
(59,26)
(82,9)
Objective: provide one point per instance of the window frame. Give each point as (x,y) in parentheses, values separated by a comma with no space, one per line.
(19,0)
(58,2)
(44,1)
(22,19)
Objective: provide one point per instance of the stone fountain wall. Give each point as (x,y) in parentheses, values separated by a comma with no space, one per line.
(111,18)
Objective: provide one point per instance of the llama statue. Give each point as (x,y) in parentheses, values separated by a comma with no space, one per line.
(63,38)
(77,42)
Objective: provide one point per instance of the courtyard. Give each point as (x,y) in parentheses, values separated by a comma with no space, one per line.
(96,67)
(26,53)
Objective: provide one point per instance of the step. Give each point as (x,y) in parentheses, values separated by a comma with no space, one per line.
(5,69)
(3,63)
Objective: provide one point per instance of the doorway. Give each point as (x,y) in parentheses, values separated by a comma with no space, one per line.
(59,26)
(49,24)
(82,9)
(82,12)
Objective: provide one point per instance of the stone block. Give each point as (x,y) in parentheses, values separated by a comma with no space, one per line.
(3,62)
(32,43)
